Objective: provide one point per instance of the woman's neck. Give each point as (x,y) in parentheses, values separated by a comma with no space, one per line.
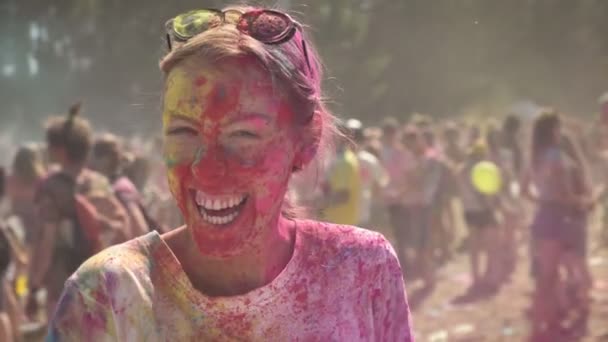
(254,267)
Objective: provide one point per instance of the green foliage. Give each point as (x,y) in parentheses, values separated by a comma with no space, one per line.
(383,57)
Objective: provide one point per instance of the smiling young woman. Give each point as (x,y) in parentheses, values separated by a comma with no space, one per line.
(242,112)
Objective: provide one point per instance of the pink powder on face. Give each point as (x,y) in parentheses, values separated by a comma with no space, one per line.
(201,81)
(239,98)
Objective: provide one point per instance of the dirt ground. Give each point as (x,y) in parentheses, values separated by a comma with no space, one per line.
(501,317)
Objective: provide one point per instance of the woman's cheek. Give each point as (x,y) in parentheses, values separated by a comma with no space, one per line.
(178,158)
(179,150)
(272,183)
(176,177)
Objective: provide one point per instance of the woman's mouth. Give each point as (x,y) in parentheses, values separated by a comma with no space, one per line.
(219,210)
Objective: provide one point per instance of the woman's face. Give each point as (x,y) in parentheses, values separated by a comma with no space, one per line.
(229,149)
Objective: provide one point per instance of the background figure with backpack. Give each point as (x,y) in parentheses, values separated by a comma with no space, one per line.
(79,213)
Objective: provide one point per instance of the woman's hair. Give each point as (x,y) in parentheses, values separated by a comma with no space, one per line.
(543,133)
(286,63)
(72,133)
(28,165)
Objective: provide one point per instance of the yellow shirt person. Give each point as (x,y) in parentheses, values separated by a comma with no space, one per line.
(344,183)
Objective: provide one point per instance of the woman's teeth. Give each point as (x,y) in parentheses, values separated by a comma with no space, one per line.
(219,210)
(219,220)
(216,203)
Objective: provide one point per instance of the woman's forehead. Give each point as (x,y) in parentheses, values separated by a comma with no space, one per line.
(246,71)
(225,88)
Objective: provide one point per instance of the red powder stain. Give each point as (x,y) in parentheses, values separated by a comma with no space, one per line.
(223,99)
(201,81)
(181,172)
(285,116)
(302,297)
(94,321)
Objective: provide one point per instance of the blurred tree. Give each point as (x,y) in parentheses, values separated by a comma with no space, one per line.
(383,57)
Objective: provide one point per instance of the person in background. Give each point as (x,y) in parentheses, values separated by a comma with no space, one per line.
(480,218)
(78,210)
(601,144)
(106,158)
(373,175)
(395,159)
(421,121)
(557,231)
(452,148)
(138,172)
(342,192)
(7,326)
(474,134)
(501,154)
(442,216)
(511,141)
(27,172)
(420,193)
(575,292)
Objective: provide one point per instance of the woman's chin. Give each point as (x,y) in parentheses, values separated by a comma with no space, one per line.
(215,237)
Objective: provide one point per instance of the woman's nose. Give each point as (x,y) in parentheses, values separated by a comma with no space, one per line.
(209,164)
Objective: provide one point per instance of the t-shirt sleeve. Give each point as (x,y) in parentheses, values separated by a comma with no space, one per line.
(83,314)
(392,319)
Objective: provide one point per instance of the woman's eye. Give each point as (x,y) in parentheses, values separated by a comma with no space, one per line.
(244,134)
(182,131)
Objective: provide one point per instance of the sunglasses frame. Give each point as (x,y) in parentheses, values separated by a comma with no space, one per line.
(250,17)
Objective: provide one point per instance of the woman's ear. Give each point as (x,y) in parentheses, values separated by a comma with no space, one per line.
(310,140)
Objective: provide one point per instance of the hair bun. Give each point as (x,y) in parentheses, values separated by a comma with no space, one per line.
(74,110)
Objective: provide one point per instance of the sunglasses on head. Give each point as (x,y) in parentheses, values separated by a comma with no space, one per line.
(267,26)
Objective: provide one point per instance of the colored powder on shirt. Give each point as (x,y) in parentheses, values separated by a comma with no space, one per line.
(341,284)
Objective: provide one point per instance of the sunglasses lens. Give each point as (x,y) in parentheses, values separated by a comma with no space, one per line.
(267,27)
(232,16)
(190,24)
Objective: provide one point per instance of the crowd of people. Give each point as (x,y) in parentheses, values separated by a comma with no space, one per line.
(415,178)
(411,177)
(80,191)
(65,199)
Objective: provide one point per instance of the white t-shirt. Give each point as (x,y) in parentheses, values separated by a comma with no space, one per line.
(372,174)
(341,284)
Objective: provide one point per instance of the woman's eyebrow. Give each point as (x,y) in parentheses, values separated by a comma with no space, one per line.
(183,117)
(249,117)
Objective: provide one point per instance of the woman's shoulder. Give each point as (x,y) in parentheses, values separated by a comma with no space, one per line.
(343,240)
(131,258)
